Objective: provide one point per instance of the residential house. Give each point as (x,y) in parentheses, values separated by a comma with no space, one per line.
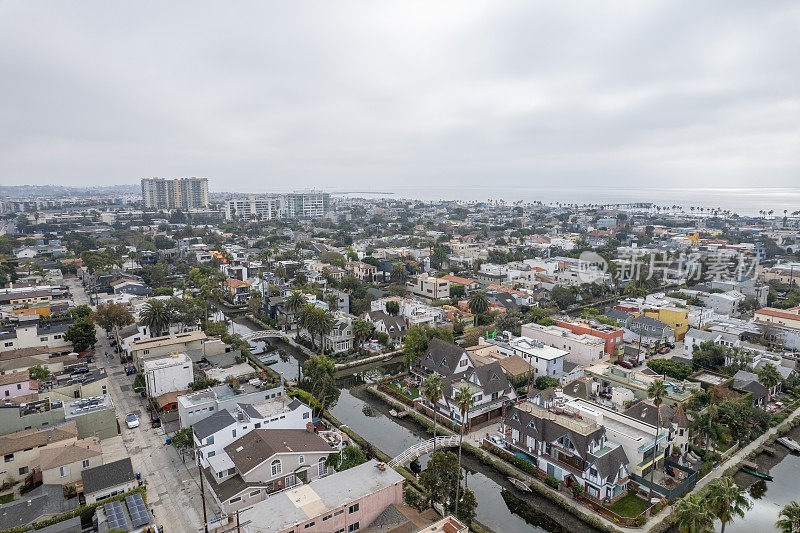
(30,333)
(167,374)
(569,449)
(612,336)
(583,349)
(21,450)
(17,384)
(213,433)
(545,360)
(363,271)
(158,347)
(340,339)
(373,491)
(488,383)
(236,291)
(429,287)
(62,465)
(394,326)
(107,480)
(265,461)
(198,405)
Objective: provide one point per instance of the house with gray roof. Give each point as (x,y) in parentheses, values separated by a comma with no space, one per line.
(108,480)
(488,383)
(568,448)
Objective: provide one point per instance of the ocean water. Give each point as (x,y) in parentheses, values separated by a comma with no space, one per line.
(741,200)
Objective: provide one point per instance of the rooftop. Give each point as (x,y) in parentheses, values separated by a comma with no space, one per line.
(295,506)
(172,359)
(88,405)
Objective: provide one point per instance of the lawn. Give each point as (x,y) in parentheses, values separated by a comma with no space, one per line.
(5,498)
(630,506)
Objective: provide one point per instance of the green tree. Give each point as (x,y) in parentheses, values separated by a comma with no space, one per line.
(182,439)
(82,335)
(672,368)
(112,316)
(319,381)
(399,273)
(351,456)
(38,372)
(562,296)
(156,316)
(789,518)
(656,392)
(545,382)
(441,478)
(464,401)
(769,376)
(727,500)
(693,515)
(417,338)
(361,330)
(392,307)
(432,389)
(82,311)
(294,303)
(478,303)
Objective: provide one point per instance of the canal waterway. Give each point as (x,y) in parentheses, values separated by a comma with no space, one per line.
(370,418)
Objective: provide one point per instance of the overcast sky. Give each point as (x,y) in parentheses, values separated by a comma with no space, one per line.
(263,96)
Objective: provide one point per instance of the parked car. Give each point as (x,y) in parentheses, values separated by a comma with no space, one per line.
(664,350)
(624,364)
(497,441)
(132,420)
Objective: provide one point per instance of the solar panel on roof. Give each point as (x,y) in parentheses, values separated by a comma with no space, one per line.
(116,515)
(138,510)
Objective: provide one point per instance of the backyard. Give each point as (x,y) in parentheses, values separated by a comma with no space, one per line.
(629,506)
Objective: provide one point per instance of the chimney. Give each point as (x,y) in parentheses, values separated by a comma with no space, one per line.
(310,427)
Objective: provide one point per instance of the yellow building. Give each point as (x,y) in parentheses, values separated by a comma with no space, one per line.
(675,317)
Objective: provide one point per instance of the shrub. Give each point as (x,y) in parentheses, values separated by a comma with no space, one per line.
(553,482)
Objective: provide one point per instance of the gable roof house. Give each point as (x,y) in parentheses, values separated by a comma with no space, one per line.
(488,383)
(569,449)
(394,326)
(265,461)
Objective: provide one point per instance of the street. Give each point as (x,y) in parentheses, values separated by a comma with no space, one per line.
(173,490)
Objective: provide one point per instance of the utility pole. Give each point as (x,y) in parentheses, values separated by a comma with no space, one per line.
(202,484)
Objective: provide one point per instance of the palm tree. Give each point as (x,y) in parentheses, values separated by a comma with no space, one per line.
(727,500)
(155,316)
(789,518)
(361,330)
(464,401)
(478,303)
(432,389)
(693,515)
(656,392)
(294,303)
(769,377)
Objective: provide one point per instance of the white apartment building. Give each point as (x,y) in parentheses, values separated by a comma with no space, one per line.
(583,349)
(412,312)
(167,374)
(546,360)
(306,204)
(181,193)
(260,207)
(429,287)
(30,334)
(194,407)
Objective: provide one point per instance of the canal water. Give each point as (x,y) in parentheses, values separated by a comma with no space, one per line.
(370,418)
(769,497)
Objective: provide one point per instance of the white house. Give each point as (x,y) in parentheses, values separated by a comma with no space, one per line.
(167,374)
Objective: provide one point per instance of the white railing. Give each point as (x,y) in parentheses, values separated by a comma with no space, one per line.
(264,334)
(422,448)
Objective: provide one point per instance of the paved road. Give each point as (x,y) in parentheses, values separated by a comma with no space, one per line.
(173,490)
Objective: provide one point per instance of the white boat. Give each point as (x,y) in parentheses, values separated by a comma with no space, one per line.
(392,412)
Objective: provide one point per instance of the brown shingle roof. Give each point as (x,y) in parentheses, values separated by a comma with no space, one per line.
(68,454)
(35,437)
(259,445)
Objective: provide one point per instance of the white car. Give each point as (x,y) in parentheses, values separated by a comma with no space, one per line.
(497,441)
(132,420)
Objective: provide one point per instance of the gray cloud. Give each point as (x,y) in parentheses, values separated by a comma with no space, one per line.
(277,95)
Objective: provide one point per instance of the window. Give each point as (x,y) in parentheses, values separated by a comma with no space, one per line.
(43,339)
(327,517)
(8,458)
(104,389)
(85,463)
(276,467)
(62,471)
(236,499)
(352,509)
(258,425)
(337,513)
(233,432)
(211,454)
(210,440)
(305,415)
(255,493)
(9,344)
(310,524)
(353,527)
(323,468)
(23,470)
